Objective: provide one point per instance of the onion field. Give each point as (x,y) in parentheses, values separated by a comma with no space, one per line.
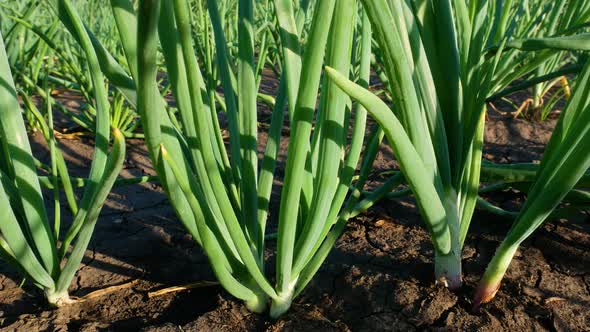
(293,165)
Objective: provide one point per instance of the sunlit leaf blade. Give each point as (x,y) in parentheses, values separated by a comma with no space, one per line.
(410,162)
(20,166)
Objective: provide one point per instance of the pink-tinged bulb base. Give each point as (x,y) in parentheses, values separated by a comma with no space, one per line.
(492,278)
(485,292)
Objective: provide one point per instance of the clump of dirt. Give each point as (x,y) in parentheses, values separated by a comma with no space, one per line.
(379,276)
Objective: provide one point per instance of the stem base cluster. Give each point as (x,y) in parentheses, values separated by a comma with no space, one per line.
(58,299)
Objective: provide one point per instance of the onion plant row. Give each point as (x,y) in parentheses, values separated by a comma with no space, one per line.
(441,62)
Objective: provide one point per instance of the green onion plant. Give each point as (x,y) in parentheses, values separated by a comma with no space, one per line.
(442,60)
(222,195)
(565,161)
(28,240)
